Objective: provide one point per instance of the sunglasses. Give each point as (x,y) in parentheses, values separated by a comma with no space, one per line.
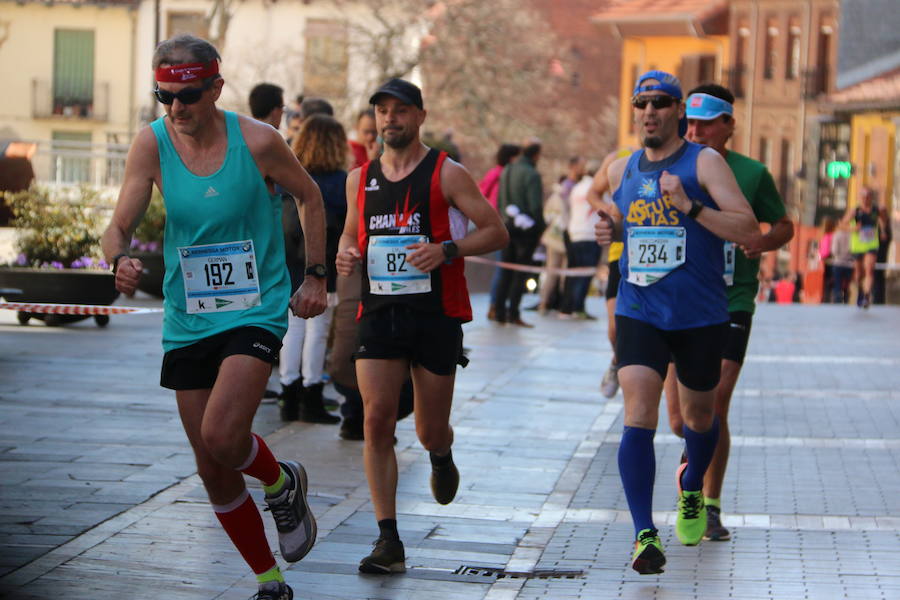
(189,95)
(657,101)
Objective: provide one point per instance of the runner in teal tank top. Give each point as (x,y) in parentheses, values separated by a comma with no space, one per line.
(226,289)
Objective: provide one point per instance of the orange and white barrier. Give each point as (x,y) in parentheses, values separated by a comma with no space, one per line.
(76,309)
(572,272)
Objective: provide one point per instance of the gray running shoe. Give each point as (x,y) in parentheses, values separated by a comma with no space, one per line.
(293,519)
(714,530)
(387,557)
(280,592)
(610,383)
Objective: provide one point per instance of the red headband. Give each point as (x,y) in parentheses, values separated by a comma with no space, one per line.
(187,72)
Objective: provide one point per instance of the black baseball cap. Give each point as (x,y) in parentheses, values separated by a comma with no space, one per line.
(400,89)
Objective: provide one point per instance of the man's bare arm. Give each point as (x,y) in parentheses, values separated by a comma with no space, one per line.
(141,171)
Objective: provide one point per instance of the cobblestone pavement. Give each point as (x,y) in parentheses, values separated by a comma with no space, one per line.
(99,498)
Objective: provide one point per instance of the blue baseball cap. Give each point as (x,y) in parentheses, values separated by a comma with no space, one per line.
(666,83)
(705,107)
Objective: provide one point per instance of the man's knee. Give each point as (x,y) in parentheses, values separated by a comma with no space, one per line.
(434,438)
(223,444)
(380,421)
(699,413)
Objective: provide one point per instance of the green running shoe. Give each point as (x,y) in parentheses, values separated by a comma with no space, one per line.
(690,523)
(648,557)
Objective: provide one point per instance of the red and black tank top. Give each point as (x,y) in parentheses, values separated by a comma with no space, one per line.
(415,205)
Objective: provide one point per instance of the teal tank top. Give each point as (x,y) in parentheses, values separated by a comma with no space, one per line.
(231,205)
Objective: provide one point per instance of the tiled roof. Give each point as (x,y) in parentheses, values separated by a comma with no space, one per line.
(882,91)
(661,17)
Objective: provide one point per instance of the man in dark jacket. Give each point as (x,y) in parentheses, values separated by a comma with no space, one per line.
(520,203)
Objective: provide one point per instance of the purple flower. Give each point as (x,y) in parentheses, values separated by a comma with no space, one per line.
(22,260)
(57,265)
(103,264)
(135,242)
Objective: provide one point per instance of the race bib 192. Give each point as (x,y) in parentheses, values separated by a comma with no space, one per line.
(219,277)
(389,273)
(654,252)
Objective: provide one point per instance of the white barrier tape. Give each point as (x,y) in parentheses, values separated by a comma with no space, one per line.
(76,309)
(573,272)
(878,266)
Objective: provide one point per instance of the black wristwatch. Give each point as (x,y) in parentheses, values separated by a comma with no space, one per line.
(115,261)
(450,249)
(696,207)
(318,271)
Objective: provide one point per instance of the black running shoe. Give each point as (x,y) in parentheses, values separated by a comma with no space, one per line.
(714,530)
(444,482)
(387,557)
(282,592)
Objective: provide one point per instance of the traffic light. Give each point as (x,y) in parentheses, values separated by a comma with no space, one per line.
(839,169)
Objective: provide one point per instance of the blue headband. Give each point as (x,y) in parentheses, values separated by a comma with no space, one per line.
(668,83)
(705,107)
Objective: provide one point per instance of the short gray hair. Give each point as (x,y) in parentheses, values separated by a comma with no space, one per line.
(184,48)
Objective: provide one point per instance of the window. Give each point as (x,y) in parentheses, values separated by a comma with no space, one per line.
(194,23)
(765,153)
(738,73)
(792,65)
(71,157)
(786,168)
(771,53)
(823,66)
(325,59)
(73,72)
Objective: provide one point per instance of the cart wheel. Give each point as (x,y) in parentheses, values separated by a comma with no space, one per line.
(53,320)
(102,320)
(23,317)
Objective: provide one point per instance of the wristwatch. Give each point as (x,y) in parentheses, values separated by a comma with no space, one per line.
(696,207)
(318,271)
(450,249)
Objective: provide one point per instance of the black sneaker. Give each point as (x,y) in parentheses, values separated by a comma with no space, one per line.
(444,482)
(352,430)
(715,532)
(312,407)
(387,557)
(293,519)
(282,592)
(289,401)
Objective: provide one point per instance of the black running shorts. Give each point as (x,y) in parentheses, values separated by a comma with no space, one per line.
(738,336)
(196,367)
(432,340)
(697,352)
(612,281)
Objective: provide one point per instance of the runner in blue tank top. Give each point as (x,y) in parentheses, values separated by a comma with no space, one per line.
(674,203)
(226,289)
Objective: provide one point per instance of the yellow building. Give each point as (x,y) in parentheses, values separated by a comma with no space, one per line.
(68,79)
(687,38)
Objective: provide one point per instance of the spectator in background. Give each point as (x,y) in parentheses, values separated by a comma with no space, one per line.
(520,204)
(583,249)
(267,104)
(365,147)
(828,225)
(490,187)
(321,147)
(841,264)
(293,126)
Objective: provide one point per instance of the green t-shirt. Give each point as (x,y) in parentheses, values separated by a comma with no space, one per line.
(759,188)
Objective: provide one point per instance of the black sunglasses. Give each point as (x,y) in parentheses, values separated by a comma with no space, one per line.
(189,95)
(657,102)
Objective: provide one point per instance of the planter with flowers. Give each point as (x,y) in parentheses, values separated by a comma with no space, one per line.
(59,250)
(147,245)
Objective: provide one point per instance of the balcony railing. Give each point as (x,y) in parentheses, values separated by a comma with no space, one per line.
(66,162)
(45,104)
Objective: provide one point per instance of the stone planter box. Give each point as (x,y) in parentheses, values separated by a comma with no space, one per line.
(59,286)
(154,272)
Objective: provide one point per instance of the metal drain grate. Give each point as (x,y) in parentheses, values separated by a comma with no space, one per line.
(501,573)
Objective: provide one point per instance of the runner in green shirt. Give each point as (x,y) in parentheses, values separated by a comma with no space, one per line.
(710,111)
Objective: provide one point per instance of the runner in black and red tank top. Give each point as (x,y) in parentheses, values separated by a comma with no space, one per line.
(408,228)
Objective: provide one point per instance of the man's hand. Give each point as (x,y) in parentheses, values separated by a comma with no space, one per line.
(753,252)
(426,257)
(670,188)
(128,273)
(311,299)
(605,229)
(346,260)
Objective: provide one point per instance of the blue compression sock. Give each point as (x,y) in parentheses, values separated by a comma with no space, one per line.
(700,449)
(637,468)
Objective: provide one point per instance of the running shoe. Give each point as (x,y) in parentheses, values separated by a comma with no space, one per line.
(610,383)
(648,557)
(282,592)
(444,482)
(690,523)
(867,300)
(387,557)
(293,519)
(714,530)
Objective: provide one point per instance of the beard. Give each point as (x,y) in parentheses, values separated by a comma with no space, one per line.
(401,140)
(652,141)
